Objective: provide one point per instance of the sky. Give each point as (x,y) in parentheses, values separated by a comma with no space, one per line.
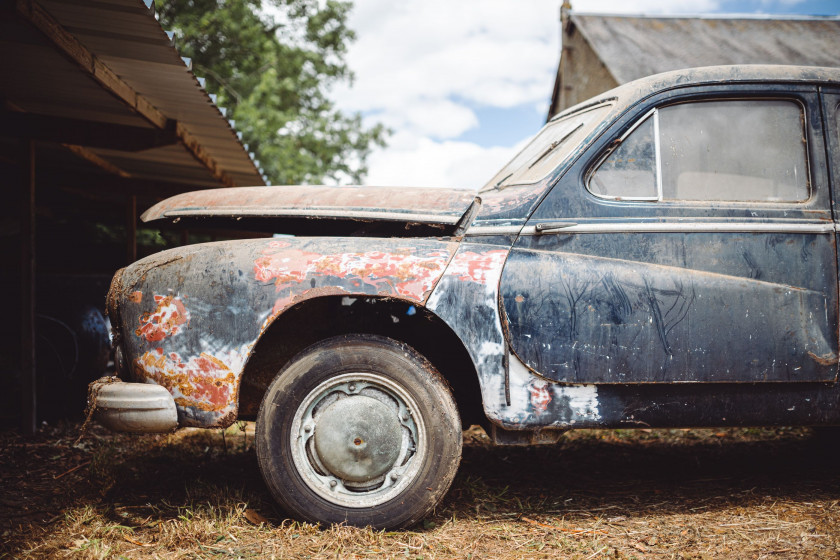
(463,84)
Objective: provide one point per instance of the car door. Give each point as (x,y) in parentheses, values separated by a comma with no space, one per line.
(692,243)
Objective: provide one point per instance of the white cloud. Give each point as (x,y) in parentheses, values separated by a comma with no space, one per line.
(417,161)
(440,118)
(424,67)
(411,55)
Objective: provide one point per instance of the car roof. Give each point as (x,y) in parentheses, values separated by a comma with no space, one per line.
(629,93)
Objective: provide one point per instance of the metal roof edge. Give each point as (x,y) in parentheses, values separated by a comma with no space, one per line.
(116,73)
(210,98)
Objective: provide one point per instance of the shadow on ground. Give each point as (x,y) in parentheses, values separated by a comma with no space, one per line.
(149,480)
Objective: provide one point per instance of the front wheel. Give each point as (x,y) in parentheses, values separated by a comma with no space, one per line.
(358,429)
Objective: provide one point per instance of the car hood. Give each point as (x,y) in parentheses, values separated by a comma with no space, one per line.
(433,206)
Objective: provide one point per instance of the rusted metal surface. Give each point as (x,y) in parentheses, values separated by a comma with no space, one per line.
(190,317)
(422,205)
(167,318)
(719,311)
(466,298)
(575,311)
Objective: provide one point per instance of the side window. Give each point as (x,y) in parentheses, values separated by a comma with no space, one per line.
(751,150)
(631,168)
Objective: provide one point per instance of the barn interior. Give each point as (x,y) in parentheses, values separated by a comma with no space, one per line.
(100,117)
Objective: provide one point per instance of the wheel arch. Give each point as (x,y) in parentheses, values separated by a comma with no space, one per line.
(316,319)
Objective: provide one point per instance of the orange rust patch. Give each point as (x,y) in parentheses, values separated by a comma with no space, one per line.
(204,382)
(824,360)
(400,272)
(165,321)
(540,396)
(135,297)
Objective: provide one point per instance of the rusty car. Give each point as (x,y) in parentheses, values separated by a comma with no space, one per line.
(663,255)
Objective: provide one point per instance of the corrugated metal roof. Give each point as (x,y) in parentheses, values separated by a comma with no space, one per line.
(56,62)
(635,46)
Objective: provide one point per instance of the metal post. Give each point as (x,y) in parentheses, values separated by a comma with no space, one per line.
(131,229)
(29,385)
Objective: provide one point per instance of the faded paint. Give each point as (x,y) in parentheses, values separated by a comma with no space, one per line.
(540,395)
(430,205)
(236,289)
(537,402)
(611,320)
(204,382)
(400,273)
(479,267)
(513,201)
(166,320)
(466,298)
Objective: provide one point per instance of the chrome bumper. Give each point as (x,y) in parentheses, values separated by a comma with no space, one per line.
(133,407)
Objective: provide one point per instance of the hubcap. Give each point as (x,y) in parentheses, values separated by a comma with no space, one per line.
(358,439)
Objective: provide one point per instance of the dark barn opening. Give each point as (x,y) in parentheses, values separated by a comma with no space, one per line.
(100,117)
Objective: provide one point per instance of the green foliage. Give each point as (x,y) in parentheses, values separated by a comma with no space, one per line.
(271,64)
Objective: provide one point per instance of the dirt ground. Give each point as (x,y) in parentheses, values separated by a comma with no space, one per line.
(598,494)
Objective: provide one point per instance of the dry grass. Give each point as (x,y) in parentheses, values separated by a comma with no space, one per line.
(603,494)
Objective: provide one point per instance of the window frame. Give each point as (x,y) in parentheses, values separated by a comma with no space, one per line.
(654,113)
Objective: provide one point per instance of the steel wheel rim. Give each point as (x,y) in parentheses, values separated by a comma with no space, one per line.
(331,486)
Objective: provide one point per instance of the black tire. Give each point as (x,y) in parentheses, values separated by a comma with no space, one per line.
(358,429)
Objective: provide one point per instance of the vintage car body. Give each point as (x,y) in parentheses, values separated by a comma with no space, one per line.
(546,301)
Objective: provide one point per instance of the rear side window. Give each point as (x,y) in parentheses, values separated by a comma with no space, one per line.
(733,150)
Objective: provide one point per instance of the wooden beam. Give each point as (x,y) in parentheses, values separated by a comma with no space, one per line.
(29,385)
(42,20)
(86,133)
(107,166)
(35,14)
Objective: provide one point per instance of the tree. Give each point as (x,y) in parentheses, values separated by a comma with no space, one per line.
(271,64)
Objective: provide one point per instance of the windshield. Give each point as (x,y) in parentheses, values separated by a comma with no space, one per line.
(549,147)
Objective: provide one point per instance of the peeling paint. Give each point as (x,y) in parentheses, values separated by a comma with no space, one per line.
(483,268)
(205,382)
(638,314)
(537,402)
(166,320)
(400,273)
(540,395)
(198,347)
(466,298)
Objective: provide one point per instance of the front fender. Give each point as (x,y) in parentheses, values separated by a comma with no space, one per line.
(188,318)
